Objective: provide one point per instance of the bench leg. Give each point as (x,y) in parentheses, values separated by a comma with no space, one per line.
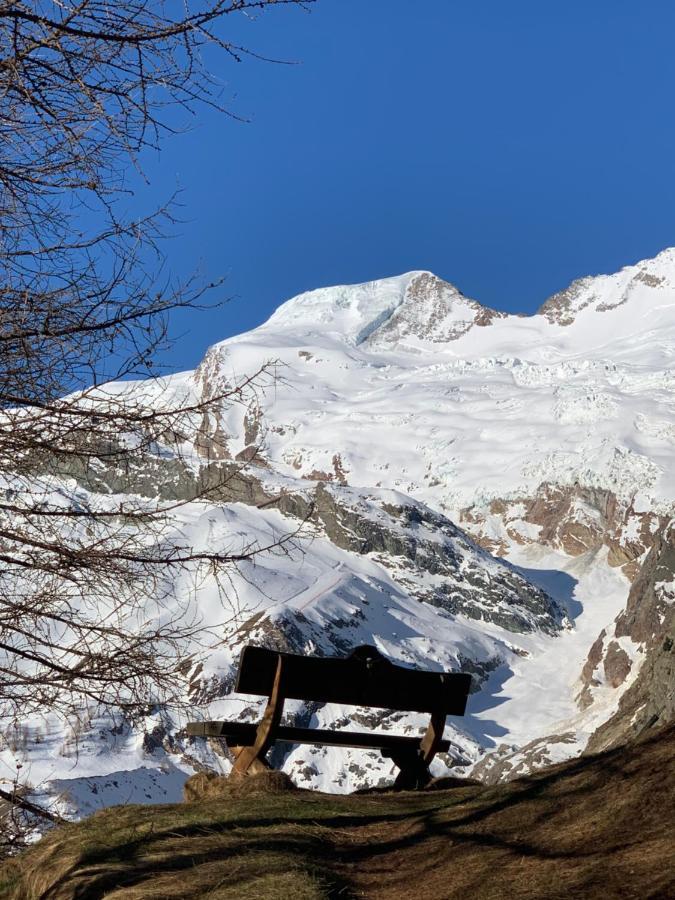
(251,760)
(414,764)
(258,765)
(433,736)
(414,773)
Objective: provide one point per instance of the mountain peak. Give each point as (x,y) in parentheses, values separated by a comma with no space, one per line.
(601,293)
(353,310)
(434,312)
(416,307)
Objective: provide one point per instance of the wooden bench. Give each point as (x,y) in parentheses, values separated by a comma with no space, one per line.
(364,678)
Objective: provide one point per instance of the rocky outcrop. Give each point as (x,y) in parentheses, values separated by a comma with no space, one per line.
(560,308)
(415,542)
(506,762)
(572,518)
(171,479)
(563,307)
(647,627)
(648,620)
(433,311)
(425,552)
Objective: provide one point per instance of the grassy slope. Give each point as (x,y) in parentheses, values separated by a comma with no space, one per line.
(600,827)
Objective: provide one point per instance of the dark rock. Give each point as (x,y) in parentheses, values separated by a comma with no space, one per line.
(617,664)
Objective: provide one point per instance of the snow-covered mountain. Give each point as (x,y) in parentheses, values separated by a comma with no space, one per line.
(483,488)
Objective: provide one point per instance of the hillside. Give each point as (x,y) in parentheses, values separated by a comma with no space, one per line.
(598,827)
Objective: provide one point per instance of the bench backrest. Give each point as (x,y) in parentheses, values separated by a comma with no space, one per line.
(365,678)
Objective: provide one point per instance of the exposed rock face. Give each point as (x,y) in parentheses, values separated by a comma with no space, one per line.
(433,311)
(431,557)
(169,479)
(644,622)
(426,555)
(604,292)
(647,624)
(592,662)
(416,543)
(651,599)
(648,620)
(571,518)
(417,307)
(617,664)
(506,763)
(560,308)
(647,703)
(211,439)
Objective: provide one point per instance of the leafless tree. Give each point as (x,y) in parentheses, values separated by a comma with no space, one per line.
(85,88)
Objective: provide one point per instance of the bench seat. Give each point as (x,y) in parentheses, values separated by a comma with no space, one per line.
(244,734)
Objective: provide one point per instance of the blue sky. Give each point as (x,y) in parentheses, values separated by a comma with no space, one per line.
(510,147)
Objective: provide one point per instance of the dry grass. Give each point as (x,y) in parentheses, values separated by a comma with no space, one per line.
(600,827)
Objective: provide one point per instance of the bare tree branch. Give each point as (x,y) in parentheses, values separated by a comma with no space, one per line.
(88,563)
